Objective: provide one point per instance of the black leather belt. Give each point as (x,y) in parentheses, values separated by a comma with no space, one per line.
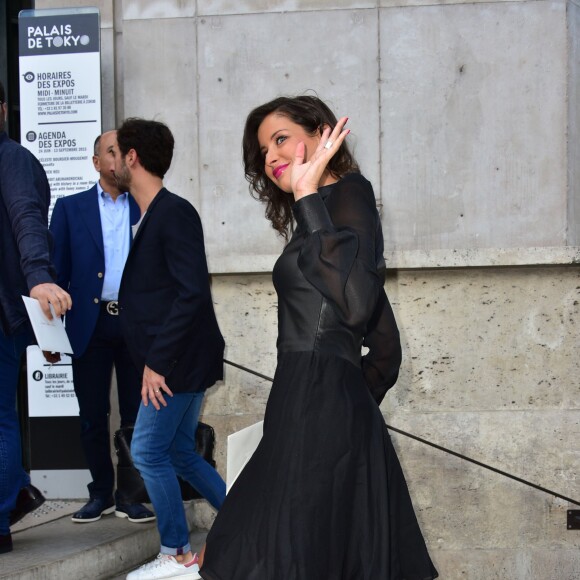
(111,307)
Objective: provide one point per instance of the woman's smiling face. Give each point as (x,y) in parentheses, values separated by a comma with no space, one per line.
(278,137)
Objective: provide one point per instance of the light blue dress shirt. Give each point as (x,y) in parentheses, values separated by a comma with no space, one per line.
(115,223)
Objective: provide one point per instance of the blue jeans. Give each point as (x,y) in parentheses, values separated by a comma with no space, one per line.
(12,475)
(163,447)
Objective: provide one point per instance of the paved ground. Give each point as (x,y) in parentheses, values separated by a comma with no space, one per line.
(48,546)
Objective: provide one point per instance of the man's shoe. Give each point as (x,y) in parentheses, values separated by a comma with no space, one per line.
(165,566)
(93,510)
(5,543)
(29,498)
(134,512)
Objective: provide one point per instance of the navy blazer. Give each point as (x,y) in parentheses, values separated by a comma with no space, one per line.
(79,258)
(166,310)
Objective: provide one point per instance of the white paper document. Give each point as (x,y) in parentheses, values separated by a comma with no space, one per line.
(241,447)
(50,334)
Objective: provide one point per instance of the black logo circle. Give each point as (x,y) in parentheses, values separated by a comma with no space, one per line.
(31,136)
(37,375)
(28,77)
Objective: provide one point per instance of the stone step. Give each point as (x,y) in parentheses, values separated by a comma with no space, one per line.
(63,550)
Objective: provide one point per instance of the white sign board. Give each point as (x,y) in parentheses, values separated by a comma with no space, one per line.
(60,118)
(60,93)
(50,386)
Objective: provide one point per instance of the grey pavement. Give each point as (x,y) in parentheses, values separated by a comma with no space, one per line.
(62,550)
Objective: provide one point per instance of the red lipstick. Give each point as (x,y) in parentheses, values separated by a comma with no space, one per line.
(279,170)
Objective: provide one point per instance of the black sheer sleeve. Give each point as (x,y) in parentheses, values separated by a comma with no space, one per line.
(381,364)
(342,258)
(338,254)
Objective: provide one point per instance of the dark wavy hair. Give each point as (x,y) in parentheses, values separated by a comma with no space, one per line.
(312,115)
(152,140)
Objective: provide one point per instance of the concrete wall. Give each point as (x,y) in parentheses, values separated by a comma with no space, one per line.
(574,122)
(466,125)
(465,117)
(458,118)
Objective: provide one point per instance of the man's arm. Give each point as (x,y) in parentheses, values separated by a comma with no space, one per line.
(22,194)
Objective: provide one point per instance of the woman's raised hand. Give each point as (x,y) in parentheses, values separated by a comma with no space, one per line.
(306,175)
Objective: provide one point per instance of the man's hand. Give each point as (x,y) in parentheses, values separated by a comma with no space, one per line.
(49,293)
(153,387)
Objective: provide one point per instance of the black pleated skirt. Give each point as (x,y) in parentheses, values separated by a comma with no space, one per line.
(324,496)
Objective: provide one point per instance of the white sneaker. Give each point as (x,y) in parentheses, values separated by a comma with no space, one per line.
(165,566)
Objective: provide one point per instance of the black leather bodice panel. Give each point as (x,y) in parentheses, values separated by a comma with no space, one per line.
(307,318)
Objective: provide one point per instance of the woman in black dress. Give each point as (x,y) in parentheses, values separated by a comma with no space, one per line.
(323,497)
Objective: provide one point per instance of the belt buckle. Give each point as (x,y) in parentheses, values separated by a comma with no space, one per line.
(113,307)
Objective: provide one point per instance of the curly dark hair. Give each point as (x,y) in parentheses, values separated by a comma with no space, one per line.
(312,115)
(152,140)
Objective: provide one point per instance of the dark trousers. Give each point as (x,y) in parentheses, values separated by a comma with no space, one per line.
(12,475)
(92,373)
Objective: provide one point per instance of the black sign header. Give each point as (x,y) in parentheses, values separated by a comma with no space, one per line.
(72,33)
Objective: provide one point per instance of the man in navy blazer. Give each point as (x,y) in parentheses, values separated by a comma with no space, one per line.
(168,319)
(92,237)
